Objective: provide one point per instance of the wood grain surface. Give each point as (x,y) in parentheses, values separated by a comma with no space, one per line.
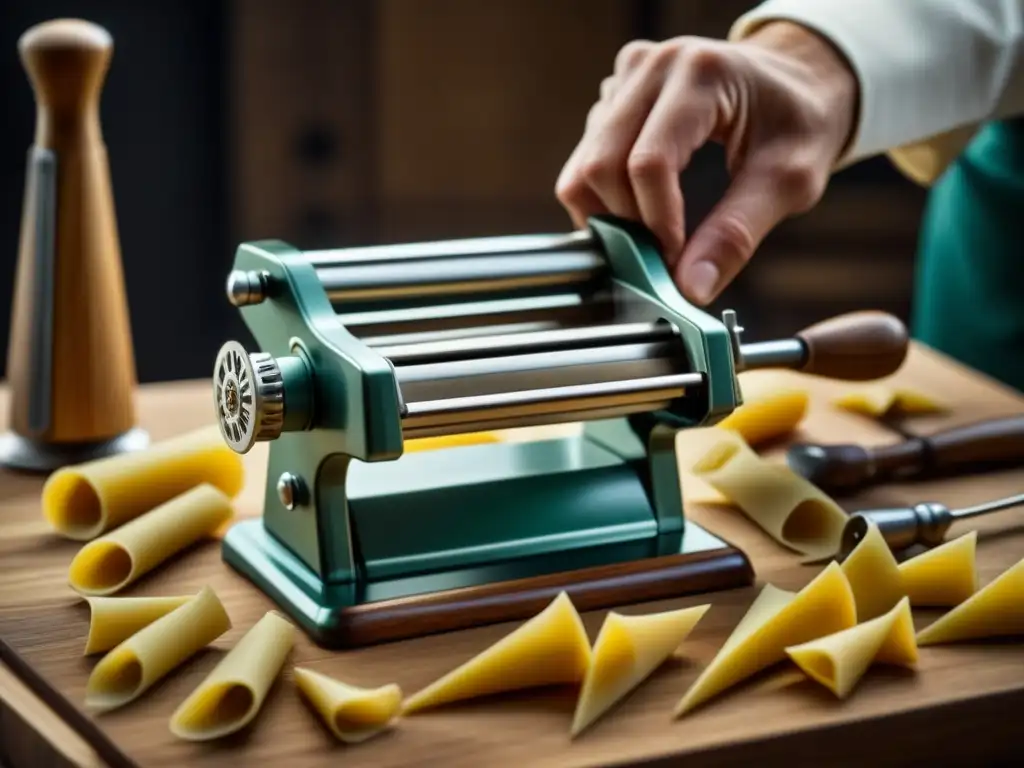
(961,706)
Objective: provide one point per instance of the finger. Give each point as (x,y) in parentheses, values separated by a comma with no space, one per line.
(757,201)
(680,122)
(604,166)
(571,188)
(632,55)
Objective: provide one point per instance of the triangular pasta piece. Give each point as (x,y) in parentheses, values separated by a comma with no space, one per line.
(944,576)
(776,620)
(788,508)
(996,610)
(112,620)
(549,649)
(353,714)
(878,400)
(838,661)
(628,649)
(874,575)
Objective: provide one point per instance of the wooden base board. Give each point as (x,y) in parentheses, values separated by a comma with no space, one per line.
(335,618)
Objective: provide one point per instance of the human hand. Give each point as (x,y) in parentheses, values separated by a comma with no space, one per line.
(783,103)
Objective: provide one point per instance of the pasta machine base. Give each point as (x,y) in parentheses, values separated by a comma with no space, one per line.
(364,348)
(493,532)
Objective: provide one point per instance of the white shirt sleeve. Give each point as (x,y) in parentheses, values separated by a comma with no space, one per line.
(930,71)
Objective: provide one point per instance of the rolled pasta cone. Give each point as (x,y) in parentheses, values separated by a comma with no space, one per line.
(353,714)
(776,620)
(549,649)
(112,620)
(788,508)
(130,669)
(231,695)
(110,563)
(84,501)
(838,661)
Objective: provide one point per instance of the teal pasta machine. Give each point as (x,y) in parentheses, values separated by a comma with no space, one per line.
(576,349)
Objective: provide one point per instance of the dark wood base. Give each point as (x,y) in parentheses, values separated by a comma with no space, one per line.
(335,618)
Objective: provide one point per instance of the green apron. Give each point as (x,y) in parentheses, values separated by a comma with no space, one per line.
(969,296)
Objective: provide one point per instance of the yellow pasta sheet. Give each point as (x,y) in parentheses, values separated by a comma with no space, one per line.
(880,400)
(232,694)
(874,575)
(131,668)
(776,620)
(449,441)
(996,610)
(112,620)
(549,649)
(353,714)
(628,649)
(944,576)
(84,501)
(839,661)
(773,407)
(110,563)
(788,508)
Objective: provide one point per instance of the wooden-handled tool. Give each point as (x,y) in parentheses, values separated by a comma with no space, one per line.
(844,468)
(70,365)
(925,523)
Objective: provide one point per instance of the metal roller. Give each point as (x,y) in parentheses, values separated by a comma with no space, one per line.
(478,266)
(537,406)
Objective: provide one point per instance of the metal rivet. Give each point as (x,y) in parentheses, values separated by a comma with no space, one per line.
(246,288)
(291,490)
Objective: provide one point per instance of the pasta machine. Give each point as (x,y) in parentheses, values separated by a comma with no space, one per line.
(363,349)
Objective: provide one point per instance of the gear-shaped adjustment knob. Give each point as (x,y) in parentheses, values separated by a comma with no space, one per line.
(249,397)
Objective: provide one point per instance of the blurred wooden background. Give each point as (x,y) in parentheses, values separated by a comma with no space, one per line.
(338,122)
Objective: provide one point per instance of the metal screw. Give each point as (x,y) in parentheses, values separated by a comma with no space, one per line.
(732,325)
(291,490)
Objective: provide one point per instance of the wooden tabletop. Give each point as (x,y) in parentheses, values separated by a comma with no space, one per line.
(962,705)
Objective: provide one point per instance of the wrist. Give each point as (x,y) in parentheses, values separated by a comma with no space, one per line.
(826,71)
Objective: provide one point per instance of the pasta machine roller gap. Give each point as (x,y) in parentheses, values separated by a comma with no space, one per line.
(364,348)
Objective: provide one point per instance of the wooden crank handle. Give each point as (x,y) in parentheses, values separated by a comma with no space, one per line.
(859,346)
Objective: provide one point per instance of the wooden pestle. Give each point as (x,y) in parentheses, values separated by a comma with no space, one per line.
(70,366)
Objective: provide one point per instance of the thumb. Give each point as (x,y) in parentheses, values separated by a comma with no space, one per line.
(758,200)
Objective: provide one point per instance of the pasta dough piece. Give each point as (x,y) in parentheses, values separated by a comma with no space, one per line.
(996,610)
(768,417)
(353,714)
(112,620)
(776,620)
(838,661)
(878,400)
(874,575)
(944,576)
(549,649)
(789,509)
(130,669)
(627,651)
(110,563)
(231,695)
(449,441)
(85,501)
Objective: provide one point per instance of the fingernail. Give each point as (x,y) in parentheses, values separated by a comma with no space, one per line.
(701,279)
